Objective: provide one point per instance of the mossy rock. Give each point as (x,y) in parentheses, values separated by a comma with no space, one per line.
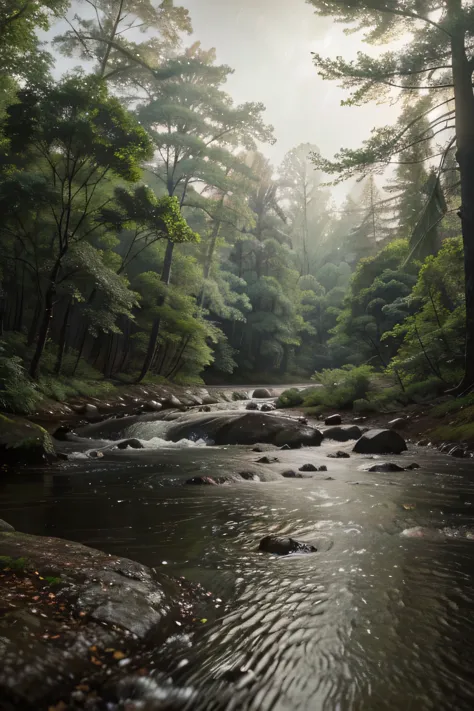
(23,442)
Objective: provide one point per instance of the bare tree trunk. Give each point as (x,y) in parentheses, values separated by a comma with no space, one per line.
(63,339)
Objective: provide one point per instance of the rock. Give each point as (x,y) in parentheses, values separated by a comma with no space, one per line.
(322,468)
(302,420)
(343,433)
(266,407)
(132,443)
(249,476)
(291,474)
(237,395)
(237,427)
(308,468)
(153,406)
(91,410)
(380,442)
(95,454)
(4,526)
(285,446)
(99,600)
(446,447)
(267,460)
(284,546)
(23,442)
(252,406)
(261,393)
(172,401)
(339,455)
(208,399)
(330,478)
(358,420)
(201,480)
(205,408)
(412,466)
(265,448)
(386,467)
(333,420)
(422,443)
(61,434)
(457,452)
(399,423)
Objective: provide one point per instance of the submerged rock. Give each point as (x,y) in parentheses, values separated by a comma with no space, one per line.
(262,447)
(205,408)
(201,481)
(380,442)
(132,443)
(308,468)
(333,420)
(291,474)
(238,395)
(343,433)
(261,393)
(284,546)
(412,466)
(457,452)
(386,467)
(267,460)
(322,468)
(252,406)
(339,455)
(23,442)
(267,407)
(153,406)
(4,526)
(237,427)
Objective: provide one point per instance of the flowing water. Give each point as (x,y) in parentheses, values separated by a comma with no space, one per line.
(381,617)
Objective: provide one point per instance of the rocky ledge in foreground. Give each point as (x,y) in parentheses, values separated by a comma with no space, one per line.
(23,442)
(70,613)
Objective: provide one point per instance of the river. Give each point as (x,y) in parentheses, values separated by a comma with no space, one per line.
(381,617)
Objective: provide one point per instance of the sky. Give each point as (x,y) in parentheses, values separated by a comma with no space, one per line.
(269,44)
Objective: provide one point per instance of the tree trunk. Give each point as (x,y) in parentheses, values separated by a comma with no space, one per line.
(464,106)
(155,330)
(45,321)
(63,339)
(79,352)
(34,323)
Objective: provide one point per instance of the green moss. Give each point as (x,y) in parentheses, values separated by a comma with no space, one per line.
(454,433)
(16,564)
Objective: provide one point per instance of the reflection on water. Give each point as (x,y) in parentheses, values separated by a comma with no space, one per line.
(374,620)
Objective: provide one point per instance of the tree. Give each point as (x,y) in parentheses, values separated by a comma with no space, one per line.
(439,60)
(77,139)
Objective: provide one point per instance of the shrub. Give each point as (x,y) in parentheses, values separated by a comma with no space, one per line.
(340,387)
(17,392)
(363,406)
(290,398)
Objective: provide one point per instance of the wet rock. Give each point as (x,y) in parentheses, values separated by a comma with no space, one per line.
(399,423)
(238,395)
(457,452)
(153,406)
(446,447)
(205,408)
(322,468)
(308,468)
(252,406)
(380,442)
(99,600)
(4,526)
(237,427)
(343,433)
(339,455)
(91,410)
(61,434)
(249,476)
(329,478)
(291,474)
(201,481)
(95,454)
(284,546)
(208,399)
(261,393)
(422,443)
(358,420)
(23,442)
(266,407)
(302,420)
(267,460)
(385,467)
(132,443)
(412,466)
(172,401)
(265,448)
(285,446)
(333,420)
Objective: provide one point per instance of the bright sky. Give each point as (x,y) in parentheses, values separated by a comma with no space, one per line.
(269,44)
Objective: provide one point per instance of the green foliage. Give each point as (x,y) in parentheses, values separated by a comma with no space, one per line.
(290,398)
(17,392)
(340,387)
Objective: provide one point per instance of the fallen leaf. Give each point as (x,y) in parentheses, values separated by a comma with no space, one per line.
(118,654)
(96,661)
(409,507)
(204,620)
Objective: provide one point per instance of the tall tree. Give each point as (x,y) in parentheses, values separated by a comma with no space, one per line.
(438,59)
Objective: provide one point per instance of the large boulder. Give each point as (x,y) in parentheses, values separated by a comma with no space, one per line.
(71,603)
(237,427)
(343,433)
(333,420)
(399,423)
(380,442)
(284,546)
(172,401)
(23,442)
(261,393)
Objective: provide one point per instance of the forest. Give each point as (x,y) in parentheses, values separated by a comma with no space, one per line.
(146,237)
